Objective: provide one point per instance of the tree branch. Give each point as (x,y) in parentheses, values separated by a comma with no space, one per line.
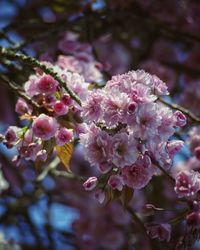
(35,63)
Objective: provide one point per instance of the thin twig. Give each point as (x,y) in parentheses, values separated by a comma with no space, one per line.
(180,108)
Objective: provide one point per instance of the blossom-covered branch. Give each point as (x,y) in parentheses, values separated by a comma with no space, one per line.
(35,63)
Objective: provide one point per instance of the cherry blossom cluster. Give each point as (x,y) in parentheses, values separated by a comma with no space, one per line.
(79,58)
(51,121)
(128,130)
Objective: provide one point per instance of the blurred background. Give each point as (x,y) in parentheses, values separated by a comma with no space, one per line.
(162,37)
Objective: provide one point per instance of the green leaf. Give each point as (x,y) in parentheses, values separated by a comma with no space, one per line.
(65,153)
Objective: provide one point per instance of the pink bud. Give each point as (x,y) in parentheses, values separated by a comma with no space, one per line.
(41,155)
(60,108)
(66,99)
(63,136)
(116,182)
(180,118)
(90,184)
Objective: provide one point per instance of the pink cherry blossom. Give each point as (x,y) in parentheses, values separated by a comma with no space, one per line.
(97,145)
(22,107)
(31,86)
(116,182)
(123,150)
(66,99)
(47,85)
(41,155)
(173,147)
(139,174)
(63,136)
(187,183)
(92,107)
(60,108)
(11,134)
(44,127)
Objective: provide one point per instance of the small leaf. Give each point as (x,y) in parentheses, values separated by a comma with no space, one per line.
(64,153)
(126,196)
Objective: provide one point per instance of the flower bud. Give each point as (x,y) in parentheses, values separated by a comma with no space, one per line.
(60,108)
(116,182)
(90,184)
(180,118)
(63,136)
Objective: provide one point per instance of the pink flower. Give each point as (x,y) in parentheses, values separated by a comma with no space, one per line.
(47,85)
(31,86)
(160,231)
(160,87)
(139,174)
(90,184)
(166,127)
(92,107)
(44,127)
(140,93)
(114,108)
(194,138)
(82,63)
(123,150)
(22,107)
(41,155)
(147,121)
(63,136)
(180,118)
(30,152)
(97,145)
(187,183)
(116,182)
(11,134)
(173,147)
(66,99)
(60,108)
